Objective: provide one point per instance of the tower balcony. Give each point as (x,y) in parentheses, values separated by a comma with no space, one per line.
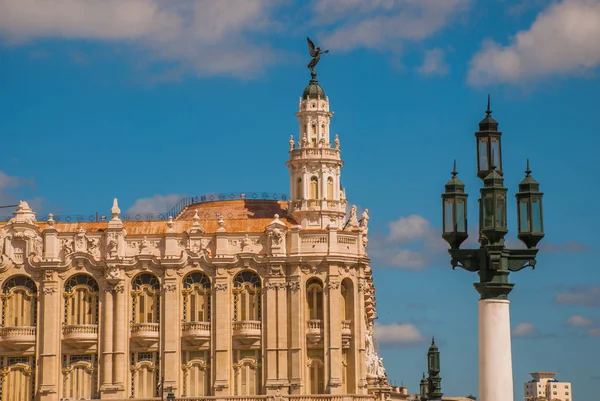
(314,331)
(145,334)
(196,333)
(315,153)
(80,335)
(17,338)
(346,333)
(318,205)
(247,332)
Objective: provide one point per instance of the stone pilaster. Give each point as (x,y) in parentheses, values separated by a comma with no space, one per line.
(221,358)
(334,328)
(49,324)
(297,323)
(275,329)
(171,326)
(359,333)
(120,339)
(106,345)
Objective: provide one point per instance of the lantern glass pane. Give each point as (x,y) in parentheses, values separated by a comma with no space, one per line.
(448,216)
(536,215)
(488,211)
(524,215)
(482,153)
(461,216)
(495,153)
(500,210)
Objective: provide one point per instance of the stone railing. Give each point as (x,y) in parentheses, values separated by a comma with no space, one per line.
(244,325)
(346,240)
(314,330)
(195,326)
(80,329)
(319,397)
(318,204)
(247,331)
(346,333)
(144,327)
(315,153)
(22,331)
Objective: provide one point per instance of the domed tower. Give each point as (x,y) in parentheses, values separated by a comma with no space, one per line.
(316,196)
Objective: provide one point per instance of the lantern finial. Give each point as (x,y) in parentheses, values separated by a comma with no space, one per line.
(528,170)
(489,110)
(454,172)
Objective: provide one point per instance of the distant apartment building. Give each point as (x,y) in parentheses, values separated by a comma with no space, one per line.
(544,387)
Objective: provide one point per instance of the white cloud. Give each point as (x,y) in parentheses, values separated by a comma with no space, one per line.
(397,333)
(579,321)
(580,295)
(155,204)
(562,40)
(13,189)
(525,329)
(206,37)
(434,63)
(383,24)
(595,332)
(409,228)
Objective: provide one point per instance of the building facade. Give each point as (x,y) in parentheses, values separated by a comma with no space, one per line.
(544,387)
(244,297)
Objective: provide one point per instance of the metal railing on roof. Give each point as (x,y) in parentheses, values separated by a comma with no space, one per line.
(173,212)
(213,197)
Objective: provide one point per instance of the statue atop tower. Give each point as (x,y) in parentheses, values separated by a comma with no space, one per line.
(315,53)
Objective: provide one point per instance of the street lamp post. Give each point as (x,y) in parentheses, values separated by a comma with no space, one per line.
(493,260)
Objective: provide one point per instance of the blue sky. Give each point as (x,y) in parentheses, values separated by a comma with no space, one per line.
(149,102)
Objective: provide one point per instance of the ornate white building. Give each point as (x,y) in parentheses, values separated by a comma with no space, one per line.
(242,297)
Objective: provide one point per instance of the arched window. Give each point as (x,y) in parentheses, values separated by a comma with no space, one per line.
(196,374)
(80,376)
(316,375)
(19,302)
(246,296)
(17,378)
(314,299)
(330,188)
(145,299)
(196,297)
(299,189)
(81,300)
(314,187)
(145,382)
(246,372)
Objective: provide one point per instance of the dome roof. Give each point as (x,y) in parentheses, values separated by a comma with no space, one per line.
(313,91)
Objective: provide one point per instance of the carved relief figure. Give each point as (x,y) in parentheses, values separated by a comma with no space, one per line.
(144,245)
(276,236)
(112,246)
(352,220)
(67,246)
(80,240)
(246,242)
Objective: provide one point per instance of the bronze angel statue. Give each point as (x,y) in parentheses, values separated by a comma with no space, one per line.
(315,53)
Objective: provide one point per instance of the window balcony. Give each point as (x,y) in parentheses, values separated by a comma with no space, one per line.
(145,334)
(314,331)
(17,338)
(247,331)
(196,333)
(346,333)
(80,335)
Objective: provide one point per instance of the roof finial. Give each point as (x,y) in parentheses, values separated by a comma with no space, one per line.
(528,170)
(454,172)
(433,340)
(115,211)
(489,110)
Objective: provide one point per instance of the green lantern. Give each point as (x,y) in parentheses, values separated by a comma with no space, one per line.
(492,207)
(488,144)
(423,389)
(454,211)
(529,211)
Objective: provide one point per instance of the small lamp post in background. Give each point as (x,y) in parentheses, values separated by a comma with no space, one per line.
(493,260)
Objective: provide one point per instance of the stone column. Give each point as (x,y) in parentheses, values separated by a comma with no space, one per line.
(282,333)
(495,353)
(360,333)
(221,341)
(269,327)
(49,319)
(171,326)
(106,345)
(297,323)
(120,339)
(334,326)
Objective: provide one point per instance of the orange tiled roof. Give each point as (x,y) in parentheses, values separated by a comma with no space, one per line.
(239,215)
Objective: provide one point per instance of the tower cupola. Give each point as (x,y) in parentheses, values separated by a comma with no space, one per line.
(313,90)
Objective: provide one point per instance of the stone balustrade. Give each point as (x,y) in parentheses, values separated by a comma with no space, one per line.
(145,334)
(80,334)
(319,397)
(18,338)
(314,330)
(196,333)
(315,153)
(346,333)
(247,331)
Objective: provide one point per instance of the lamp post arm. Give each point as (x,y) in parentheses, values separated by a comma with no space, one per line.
(518,259)
(468,259)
